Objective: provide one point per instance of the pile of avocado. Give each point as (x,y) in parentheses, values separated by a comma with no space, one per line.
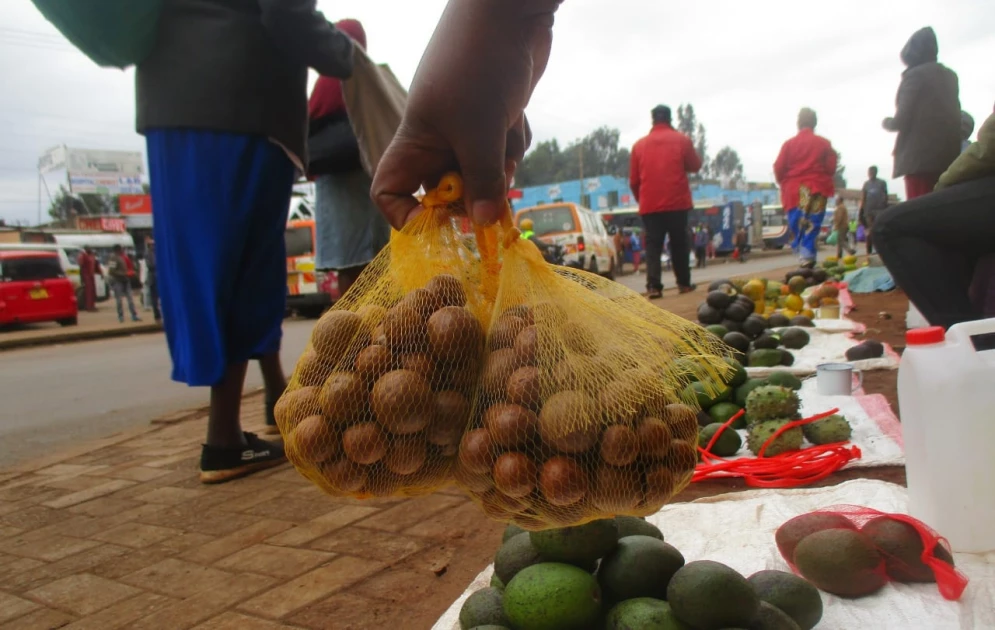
(619,574)
(755,342)
(839,557)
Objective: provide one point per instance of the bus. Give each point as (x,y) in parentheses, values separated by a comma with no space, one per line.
(721,221)
(309,291)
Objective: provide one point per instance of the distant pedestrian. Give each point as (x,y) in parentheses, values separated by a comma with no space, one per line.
(927,116)
(841,224)
(151,281)
(741,240)
(658,177)
(120,278)
(619,251)
(636,246)
(873,201)
(804,170)
(700,247)
(88,267)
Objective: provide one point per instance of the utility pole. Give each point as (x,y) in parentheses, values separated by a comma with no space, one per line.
(580,153)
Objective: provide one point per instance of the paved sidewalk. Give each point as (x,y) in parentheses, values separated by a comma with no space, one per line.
(97,325)
(120,534)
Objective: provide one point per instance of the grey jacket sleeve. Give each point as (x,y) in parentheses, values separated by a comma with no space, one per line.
(304,35)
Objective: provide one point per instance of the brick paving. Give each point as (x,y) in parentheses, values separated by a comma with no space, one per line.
(120,534)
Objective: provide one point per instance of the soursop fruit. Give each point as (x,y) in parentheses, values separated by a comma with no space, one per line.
(830,430)
(771,402)
(760,432)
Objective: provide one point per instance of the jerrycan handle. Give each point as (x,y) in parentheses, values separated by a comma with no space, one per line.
(978,335)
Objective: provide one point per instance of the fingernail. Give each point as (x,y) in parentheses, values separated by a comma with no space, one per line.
(484,212)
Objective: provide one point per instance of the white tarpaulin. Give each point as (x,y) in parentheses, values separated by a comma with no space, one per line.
(738,530)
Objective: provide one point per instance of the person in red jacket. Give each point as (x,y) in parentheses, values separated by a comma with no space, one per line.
(804,170)
(658,177)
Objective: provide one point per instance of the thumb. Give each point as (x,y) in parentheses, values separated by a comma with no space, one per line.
(484,184)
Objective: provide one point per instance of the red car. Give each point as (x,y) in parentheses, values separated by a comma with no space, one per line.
(33,288)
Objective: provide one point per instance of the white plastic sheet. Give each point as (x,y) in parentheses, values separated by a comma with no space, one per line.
(738,530)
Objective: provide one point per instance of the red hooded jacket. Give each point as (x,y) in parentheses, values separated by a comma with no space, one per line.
(805,160)
(658,170)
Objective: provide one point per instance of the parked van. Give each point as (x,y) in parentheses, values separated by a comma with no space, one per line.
(33,288)
(69,261)
(309,291)
(578,230)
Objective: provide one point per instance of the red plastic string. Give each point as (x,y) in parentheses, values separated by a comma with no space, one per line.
(787,470)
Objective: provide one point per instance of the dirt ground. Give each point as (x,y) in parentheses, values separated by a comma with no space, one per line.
(474,538)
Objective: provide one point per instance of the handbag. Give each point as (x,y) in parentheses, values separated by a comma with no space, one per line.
(112,33)
(375,101)
(332,147)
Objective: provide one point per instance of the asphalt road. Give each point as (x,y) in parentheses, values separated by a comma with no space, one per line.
(54,396)
(715,270)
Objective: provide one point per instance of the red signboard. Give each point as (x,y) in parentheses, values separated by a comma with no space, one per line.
(626,200)
(102,224)
(515,193)
(135,204)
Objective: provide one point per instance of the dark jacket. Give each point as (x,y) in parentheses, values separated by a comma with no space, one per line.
(927,110)
(238,66)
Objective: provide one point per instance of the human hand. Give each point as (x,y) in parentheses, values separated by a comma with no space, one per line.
(466,108)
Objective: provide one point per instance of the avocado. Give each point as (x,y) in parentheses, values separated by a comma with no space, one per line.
(641,566)
(699,392)
(794,338)
(709,595)
(778,320)
(747,303)
(515,555)
(485,607)
(704,419)
(791,532)
(731,325)
(819,275)
(510,531)
(801,320)
(754,325)
(772,618)
(787,359)
(643,613)
(867,349)
(843,562)
(721,412)
(738,374)
(708,315)
(719,299)
(790,593)
(729,441)
(635,526)
(718,330)
(496,582)
(784,379)
(580,546)
(719,284)
(902,548)
(765,358)
(744,390)
(552,596)
(737,312)
(766,341)
(738,341)
(738,356)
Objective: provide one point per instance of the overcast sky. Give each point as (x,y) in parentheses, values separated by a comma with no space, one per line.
(746,66)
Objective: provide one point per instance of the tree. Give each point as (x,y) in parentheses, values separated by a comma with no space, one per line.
(839,179)
(65,205)
(727,165)
(686,121)
(598,152)
(701,147)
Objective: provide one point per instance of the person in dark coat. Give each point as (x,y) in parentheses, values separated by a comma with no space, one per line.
(927,116)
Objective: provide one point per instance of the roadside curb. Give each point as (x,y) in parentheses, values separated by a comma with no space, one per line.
(77,336)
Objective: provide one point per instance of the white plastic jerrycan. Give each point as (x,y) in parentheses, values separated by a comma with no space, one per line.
(946,394)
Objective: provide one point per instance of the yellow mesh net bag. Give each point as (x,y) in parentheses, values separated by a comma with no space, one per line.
(580,412)
(383,392)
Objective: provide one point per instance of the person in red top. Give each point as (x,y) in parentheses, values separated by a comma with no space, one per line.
(805,169)
(658,177)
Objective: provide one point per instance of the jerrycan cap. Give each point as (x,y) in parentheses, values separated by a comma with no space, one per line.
(925,336)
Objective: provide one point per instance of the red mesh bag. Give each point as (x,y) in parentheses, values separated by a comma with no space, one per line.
(852,551)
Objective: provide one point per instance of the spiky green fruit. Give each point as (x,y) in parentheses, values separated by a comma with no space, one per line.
(760,432)
(830,430)
(771,402)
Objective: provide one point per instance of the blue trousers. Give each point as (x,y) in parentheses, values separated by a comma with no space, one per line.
(219,208)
